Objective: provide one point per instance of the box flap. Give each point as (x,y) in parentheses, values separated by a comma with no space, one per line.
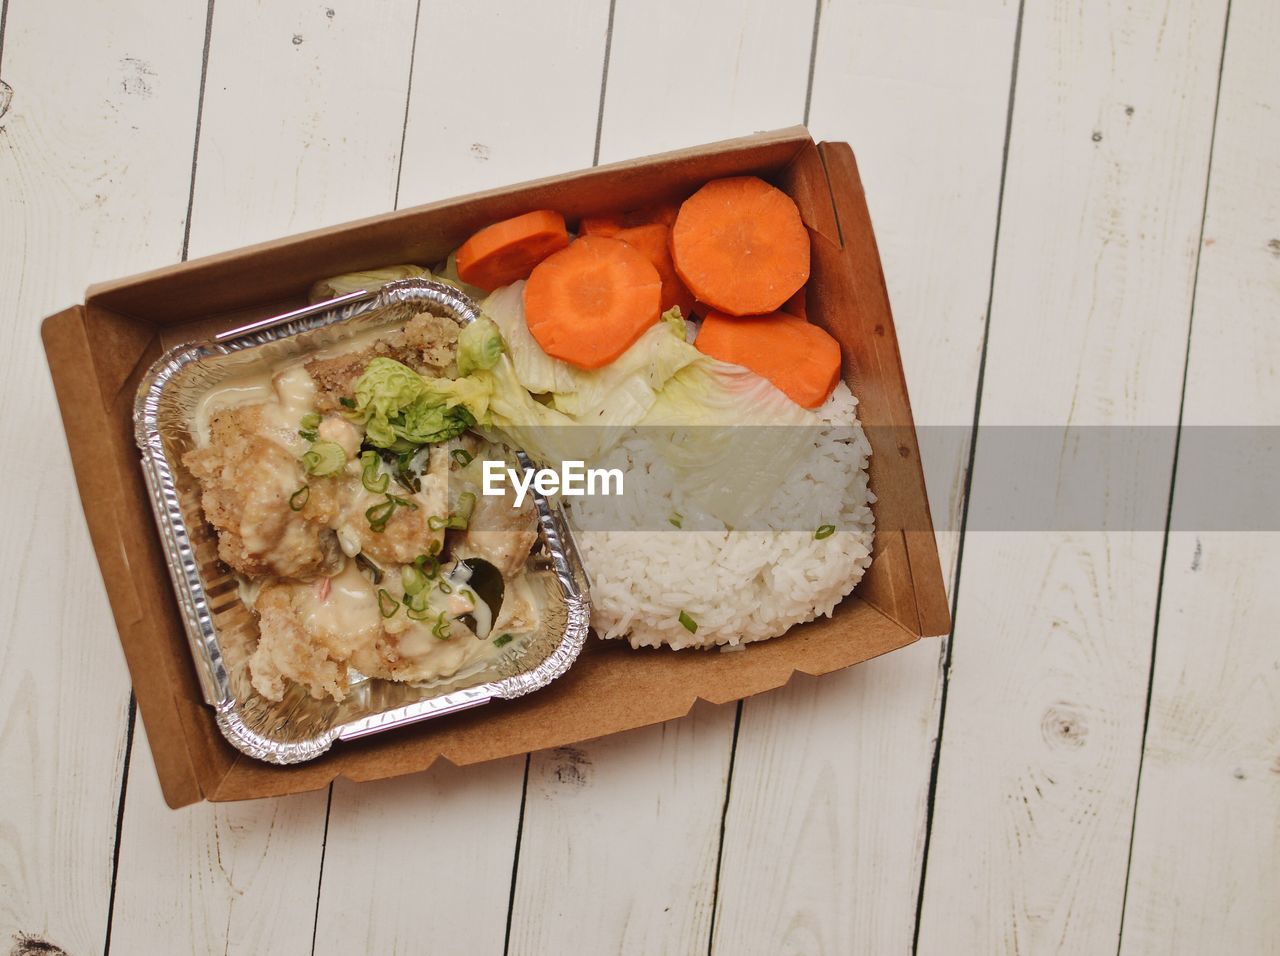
(271,271)
(83,400)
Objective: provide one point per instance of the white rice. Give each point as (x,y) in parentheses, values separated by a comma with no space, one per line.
(738,586)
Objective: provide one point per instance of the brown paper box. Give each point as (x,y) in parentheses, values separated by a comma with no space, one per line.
(98,351)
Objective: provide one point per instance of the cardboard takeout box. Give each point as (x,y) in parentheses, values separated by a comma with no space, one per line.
(98,351)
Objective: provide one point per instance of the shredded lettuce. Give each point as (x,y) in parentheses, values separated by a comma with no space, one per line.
(370,281)
(400,412)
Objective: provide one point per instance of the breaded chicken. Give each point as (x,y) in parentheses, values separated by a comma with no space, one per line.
(247,481)
(428,344)
(308,632)
(408,533)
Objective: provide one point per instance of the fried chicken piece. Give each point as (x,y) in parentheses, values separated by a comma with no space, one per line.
(434,340)
(408,533)
(428,344)
(308,632)
(247,481)
(498,531)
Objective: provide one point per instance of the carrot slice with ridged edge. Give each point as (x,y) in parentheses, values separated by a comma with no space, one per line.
(506,251)
(740,246)
(610,224)
(654,241)
(799,358)
(588,304)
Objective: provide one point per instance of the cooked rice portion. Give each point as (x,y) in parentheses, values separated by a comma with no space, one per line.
(736,586)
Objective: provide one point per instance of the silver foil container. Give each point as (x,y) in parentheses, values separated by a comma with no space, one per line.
(222,630)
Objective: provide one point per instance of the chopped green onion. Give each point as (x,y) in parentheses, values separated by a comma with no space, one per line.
(437,523)
(380,514)
(444,587)
(442,628)
(824,531)
(688,623)
(346,402)
(309,435)
(434,548)
(387,605)
(298,500)
(503,641)
(462,517)
(310,421)
(462,457)
(470,595)
(416,608)
(413,579)
(324,458)
(677,519)
(403,503)
(369,476)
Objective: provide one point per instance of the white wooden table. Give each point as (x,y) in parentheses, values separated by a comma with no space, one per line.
(1078,207)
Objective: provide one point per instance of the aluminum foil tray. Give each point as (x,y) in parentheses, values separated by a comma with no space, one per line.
(222,630)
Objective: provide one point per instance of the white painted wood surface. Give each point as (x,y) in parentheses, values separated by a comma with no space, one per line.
(1205,873)
(617,844)
(90,187)
(1041,734)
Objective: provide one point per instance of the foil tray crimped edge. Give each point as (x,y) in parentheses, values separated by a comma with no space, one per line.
(189,588)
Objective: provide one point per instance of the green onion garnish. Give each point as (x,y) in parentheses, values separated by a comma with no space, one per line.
(502,641)
(413,579)
(462,517)
(308,434)
(310,421)
(824,531)
(677,519)
(442,628)
(387,605)
(401,502)
(688,623)
(380,514)
(418,611)
(324,458)
(444,587)
(437,523)
(298,500)
(462,457)
(434,548)
(369,476)
(347,402)
(470,595)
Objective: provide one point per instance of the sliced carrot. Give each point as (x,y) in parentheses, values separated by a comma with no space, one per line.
(797,305)
(796,356)
(611,224)
(739,245)
(588,304)
(506,251)
(653,241)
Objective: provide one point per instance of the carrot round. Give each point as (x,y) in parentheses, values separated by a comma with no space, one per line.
(610,224)
(588,304)
(654,241)
(506,251)
(740,247)
(796,356)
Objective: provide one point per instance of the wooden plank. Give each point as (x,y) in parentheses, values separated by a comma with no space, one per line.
(1101,219)
(1205,869)
(91,188)
(206,876)
(501,93)
(456,830)
(831,776)
(651,800)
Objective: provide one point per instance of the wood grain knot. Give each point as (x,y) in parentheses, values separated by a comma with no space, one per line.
(571,766)
(24,945)
(1063,727)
